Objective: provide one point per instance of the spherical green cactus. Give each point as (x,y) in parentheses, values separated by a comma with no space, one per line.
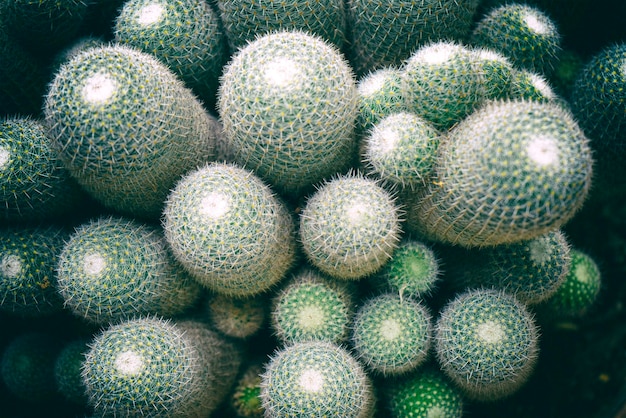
(401,149)
(27,366)
(511,171)
(229,230)
(315,379)
(34,184)
(523,33)
(312,306)
(245,399)
(185,34)
(349,227)
(528,85)
(386,34)
(237,317)
(68,371)
(113,268)
(427,393)
(391,335)
(285,99)
(246,20)
(495,71)
(486,342)
(126,127)
(413,270)
(380,94)
(28,262)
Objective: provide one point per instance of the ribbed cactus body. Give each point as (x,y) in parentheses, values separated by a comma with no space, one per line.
(248,19)
(391,335)
(528,85)
(126,127)
(185,34)
(236,317)
(486,342)
(380,94)
(245,399)
(385,34)
(113,268)
(67,371)
(28,277)
(229,230)
(349,227)
(511,171)
(315,379)
(285,99)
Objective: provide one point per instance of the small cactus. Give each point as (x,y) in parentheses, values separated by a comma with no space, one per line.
(236,317)
(67,371)
(380,94)
(245,399)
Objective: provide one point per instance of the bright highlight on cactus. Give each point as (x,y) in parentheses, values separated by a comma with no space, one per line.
(380,94)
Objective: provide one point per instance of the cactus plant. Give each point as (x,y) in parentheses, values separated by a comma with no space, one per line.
(528,85)
(285,99)
(229,230)
(236,317)
(67,371)
(245,399)
(380,94)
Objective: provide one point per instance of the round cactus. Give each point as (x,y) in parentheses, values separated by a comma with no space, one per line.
(126,127)
(185,34)
(380,94)
(385,34)
(523,33)
(67,371)
(510,171)
(312,307)
(245,400)
(349,227)
(236,317)
(427,393)
(391,335)
(315,379)
(112,268)
(246,20)
(229,230)
(486,342)
(34,184)
(285,99)
(528,85)
(28,278)
(400,149)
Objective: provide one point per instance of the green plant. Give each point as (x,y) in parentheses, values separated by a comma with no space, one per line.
(67,371)
(236,317)
(245,399)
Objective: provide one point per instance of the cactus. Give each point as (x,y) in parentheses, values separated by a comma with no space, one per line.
(528,85)
(246,20)
(380,94)
(400,149)
(67,371)
(511,171)
(312,306)
(427,393)
(486,342)
(229,230)
(349,227)
(28,278)
(126,127)
(315,379)
(391,335)
(34,184)
(285,99)
(113,268)
(386,34)
(236,317)
(185,34)
(245,399)
(525,34)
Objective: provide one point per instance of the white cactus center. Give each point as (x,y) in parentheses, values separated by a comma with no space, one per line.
(94,264)
(282,72)
(128,363)
(214,205)
(582,273)
(490,332)
(311,317)
(356,213)
(150,14)
(5,156)
(436,411)
(390,329)
(437,54)
(543,150)
(11,266)
(311,380)
(99,88)
(536,24)
(373,84)
(542,86)
(385,139)
(539,251)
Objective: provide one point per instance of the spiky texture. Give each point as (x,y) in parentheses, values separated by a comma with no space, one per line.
(67,371)
(245,399)
(27,366)
(391,335)
(511,171)
(312,306)
(400,150)
(386,34)
(237,317)
(34,184)
(149,367)
(528,85)
(113,268)
(126,127)
(79,45)
(427,393)
(285,99)
(185,34)
(486,342)
(315,379)
(229,230)
(380,94)
(350,226)
(247,19)
(413,270)
(28,262)
(524,33)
